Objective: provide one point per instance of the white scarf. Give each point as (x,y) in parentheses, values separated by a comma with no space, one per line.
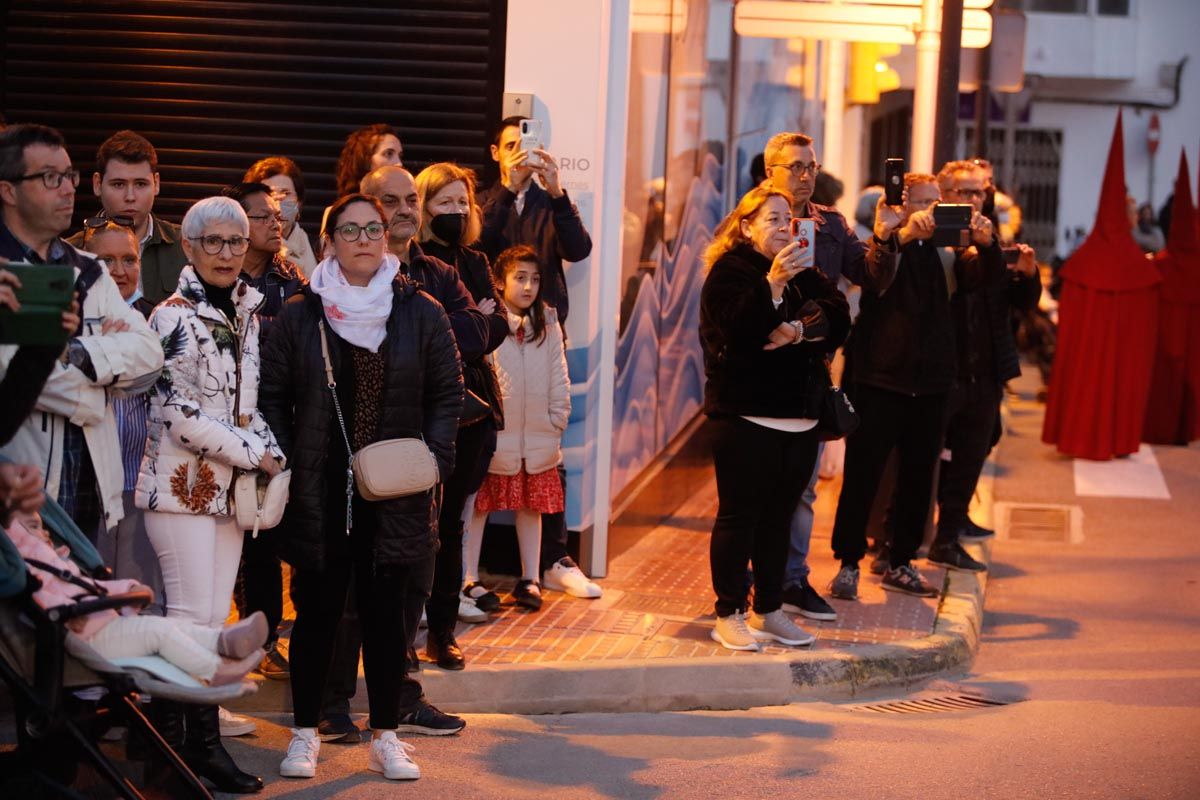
(358,314)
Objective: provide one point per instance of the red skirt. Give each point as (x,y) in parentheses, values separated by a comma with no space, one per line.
(541,492)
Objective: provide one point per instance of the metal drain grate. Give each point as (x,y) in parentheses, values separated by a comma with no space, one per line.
(1039,522)
(932,705)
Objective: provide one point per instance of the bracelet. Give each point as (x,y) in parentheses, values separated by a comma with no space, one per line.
(799,326)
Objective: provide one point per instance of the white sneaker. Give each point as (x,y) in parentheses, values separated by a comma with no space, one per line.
(776,626)
(389,755)
(469,612)
(732,634)
(301,758)
(571,580)
(234,724)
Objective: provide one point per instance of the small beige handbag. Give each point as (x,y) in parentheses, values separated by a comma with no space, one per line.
(382,470)
(258,502)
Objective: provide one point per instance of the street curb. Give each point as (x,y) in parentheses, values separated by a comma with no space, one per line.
(715,682)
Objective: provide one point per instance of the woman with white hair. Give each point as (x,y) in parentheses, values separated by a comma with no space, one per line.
(204,426)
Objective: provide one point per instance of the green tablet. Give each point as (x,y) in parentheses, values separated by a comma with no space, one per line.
(46,291)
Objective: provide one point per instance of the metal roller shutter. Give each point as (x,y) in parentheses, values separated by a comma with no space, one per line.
(218,85)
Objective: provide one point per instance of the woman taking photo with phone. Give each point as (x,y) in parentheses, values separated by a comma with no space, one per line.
(766,326)
(363,331)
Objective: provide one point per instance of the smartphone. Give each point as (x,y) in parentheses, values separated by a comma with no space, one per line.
(531,139)
(46,291)
(804,233)
(953,221)
(1011,254)
(893,181)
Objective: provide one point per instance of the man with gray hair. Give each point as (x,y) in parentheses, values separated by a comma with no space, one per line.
(72,434)
(791,164)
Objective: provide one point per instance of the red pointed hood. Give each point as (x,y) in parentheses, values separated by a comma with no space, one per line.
(1179,263)
(1110,259)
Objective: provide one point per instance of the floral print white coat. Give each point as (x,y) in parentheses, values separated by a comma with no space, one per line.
(204,417)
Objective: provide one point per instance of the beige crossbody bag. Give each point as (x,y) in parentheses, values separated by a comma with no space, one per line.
(382,470)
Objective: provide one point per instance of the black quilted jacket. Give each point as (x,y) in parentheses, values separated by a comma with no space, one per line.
(422,394)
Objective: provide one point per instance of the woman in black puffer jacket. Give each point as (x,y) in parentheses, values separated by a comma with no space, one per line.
(397,372)
(766,326)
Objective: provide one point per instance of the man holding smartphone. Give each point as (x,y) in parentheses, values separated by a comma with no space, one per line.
(528,205)
(987,358)
(791,164)
(72,434)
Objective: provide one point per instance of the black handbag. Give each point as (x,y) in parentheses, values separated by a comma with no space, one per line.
(838,418)
(474,409)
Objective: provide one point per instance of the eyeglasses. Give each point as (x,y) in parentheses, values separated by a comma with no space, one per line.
(213,244)
(351,232)
(970,192)
(800,168)
(50,178)
(102,221)
(263,219)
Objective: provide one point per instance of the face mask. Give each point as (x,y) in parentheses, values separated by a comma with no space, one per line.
(289,210)
(449,227)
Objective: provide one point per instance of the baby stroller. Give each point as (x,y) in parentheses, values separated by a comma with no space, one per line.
(44,664)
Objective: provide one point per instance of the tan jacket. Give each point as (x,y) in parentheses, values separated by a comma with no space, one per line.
(537,399)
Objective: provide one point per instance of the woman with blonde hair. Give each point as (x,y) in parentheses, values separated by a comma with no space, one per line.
(450,224)
(767,324)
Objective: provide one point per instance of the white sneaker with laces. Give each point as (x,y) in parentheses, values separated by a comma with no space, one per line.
(732,634)
(571,580)
(776,626)
(389,755)
(234,724)
(301,758)
(469,612)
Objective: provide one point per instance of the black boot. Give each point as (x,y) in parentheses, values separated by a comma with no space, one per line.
(208,758)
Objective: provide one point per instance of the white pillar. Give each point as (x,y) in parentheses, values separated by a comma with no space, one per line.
(925,93)
(835,107)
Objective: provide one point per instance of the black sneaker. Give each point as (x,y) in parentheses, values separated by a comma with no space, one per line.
(844,585)
(274,664)
(485,599)
(426,720)
(528,594)
(339,729)
(411,662)
(952,556)
(975,533)
(805,601)
(907,580)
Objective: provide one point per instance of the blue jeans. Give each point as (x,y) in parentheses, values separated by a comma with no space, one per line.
(796,572)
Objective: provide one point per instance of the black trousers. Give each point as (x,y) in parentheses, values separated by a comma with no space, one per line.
(260,580)
(383,598)
(911,425)
(470,447)
(554,530)
(970,430)
(761,473)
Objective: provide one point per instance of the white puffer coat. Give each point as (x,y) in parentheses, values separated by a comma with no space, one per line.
(537,398)
(204,417)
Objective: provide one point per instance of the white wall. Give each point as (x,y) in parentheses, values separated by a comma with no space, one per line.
(1167,30)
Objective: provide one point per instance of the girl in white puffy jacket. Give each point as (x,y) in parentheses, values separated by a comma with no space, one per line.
(531,368)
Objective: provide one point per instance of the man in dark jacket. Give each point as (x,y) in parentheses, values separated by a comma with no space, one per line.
(260,581)
(126,181)
(987,357)
(901,365)
(517,210)
(791,164)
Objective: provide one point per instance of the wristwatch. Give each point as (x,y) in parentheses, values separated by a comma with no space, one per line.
(799,326)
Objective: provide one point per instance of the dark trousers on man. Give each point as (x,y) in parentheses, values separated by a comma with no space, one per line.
(470,446)
(913,426)
(761,473)
(554,531)
(261,581)
(354,601)
(970,433)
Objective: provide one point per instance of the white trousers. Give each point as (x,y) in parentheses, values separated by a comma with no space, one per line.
(199,560)
(191,647)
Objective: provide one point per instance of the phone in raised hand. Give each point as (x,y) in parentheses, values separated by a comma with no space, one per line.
(531,139)
(804,234)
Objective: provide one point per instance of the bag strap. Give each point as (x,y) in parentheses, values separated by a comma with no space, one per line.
(69,577)
(337,406)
